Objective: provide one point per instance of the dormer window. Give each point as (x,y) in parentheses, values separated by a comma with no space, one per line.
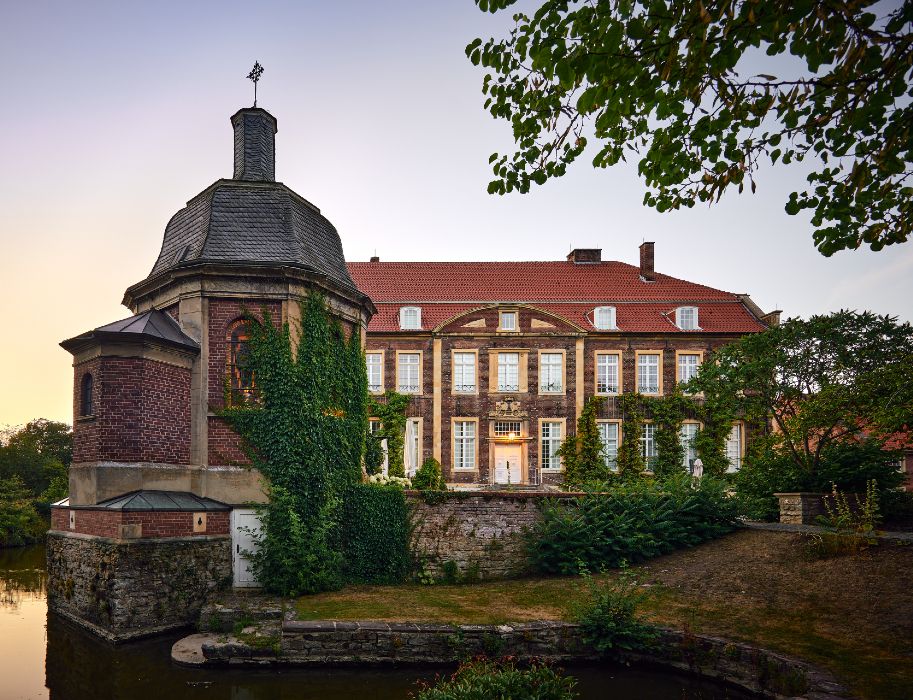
(686,318)
(604,318)
(410,318)
(507,321)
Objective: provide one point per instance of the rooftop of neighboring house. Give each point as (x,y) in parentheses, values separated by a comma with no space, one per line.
(644,301)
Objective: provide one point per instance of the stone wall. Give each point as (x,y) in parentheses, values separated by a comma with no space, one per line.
(482,532)
(127,589)
(800,508)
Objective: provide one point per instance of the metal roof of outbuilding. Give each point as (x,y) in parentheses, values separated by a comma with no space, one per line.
(162,500)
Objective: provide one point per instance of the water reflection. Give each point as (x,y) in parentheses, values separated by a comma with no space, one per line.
(45,656)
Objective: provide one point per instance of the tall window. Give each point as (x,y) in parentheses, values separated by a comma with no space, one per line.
(608,436)
(604,318)
(412,451)
(687,366)
(648,445)
(686,318)
(508,371)
(464,444)
(648,374)
(686,437)
(375,361)
(551,441)
(374,427)
(734,448)
(240,372)
(550,372)
(86,398)
(606,374)
(508,321)
(407,373)
(464,372)
(410,318)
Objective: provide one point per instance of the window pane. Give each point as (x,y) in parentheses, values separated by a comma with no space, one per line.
(648,444)
(686,437)
(375,370)
(464,372)
(464,445)
(503,428)
(687,318)
(551,441)
(687,367)
(607,374)
(734,448)
(408,379)
(608,435)
(508,320)
(410,318)
(648,374)
(508,371)
(604,317)
(550,372)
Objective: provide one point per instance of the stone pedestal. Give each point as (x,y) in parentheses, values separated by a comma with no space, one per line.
(801,508)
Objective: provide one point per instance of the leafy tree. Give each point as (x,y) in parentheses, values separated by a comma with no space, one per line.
(823,382)
(700,93)
(37,454)
(20,523)
(583,453)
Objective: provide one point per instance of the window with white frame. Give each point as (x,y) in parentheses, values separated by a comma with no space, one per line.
(407,381)
(374,427)
(687,366)
(648,445)
(508,321)
(551,371)
(410,318)
(507,428)
(464,444)
(508,371)
(375,362)
(686,318)
(412,451)
(686,436)
(648,373)
(734,448)
(604,318)
(606,374)
(608,436)
(464,372)
(551,441)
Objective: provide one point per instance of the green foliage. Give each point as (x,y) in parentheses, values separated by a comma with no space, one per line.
(716,413)
(667,84)
(374,454)
(631,522)
(482,679)
(392,414)
(849,528)
(608,619)
(20,523)
(429,476)
(375,534)
(38,454)
(304,429)
(582,454)
(668,413)
(630,456)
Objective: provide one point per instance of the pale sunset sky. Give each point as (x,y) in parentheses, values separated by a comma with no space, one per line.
(117,113)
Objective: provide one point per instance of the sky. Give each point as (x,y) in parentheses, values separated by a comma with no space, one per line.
(115,114)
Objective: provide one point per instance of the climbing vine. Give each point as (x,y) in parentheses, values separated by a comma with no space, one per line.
(582,453)
(630,457)
(392,415)
(668,414)
(716,414)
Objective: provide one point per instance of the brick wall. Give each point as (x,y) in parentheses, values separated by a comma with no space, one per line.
(141,412)
(108,523)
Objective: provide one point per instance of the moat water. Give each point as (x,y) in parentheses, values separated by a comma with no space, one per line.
(44,656)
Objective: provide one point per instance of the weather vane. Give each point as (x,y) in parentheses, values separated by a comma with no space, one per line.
(254,75)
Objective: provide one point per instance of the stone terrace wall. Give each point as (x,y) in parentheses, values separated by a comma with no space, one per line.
(482,532)
(127,589)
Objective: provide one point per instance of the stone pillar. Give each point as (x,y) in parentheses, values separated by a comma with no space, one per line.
(800,508)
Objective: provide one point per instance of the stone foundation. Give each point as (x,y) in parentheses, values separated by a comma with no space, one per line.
(123,589)
(801,508)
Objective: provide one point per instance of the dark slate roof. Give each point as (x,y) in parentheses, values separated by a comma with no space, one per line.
(243,222)
(161,500)
(154,324)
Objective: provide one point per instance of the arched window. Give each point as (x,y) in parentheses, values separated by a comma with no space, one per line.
(86,398)
(240,373)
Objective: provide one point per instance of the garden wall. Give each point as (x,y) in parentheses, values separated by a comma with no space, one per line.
(482,533)
(121,589)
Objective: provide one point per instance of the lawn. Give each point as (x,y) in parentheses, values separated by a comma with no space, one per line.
(852,615)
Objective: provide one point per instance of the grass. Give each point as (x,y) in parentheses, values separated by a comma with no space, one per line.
(852,615)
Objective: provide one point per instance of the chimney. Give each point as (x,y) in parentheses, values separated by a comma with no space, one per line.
(375,258)
(585,255)
(646,261)
(255,144)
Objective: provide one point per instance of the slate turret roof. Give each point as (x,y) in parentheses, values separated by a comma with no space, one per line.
(154,325)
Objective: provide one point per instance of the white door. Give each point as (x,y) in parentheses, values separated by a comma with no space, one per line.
(244,526)
(507,464)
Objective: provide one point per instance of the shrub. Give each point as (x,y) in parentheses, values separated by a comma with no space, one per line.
(850,528)
(481,679)
(20,523)
(608,620)
(384,480)
(375,534)
(628,523)
(429,476)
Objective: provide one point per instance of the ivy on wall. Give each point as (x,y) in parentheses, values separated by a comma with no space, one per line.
(630,456)
(582,453)
(668,414)
(392,415)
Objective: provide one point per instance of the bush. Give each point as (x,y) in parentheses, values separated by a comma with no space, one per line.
(429,476)
(20,523)
(628,523)
(849,527)
(608,620)
(482,679)
(375,534)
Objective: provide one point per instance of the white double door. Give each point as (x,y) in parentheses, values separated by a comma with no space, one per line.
(508,464)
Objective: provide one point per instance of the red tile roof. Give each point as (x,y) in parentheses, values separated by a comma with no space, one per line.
(569,290)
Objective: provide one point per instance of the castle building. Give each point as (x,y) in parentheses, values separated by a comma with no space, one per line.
(499,357)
